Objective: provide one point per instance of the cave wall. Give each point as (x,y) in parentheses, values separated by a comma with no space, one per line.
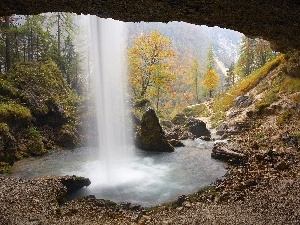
(277,21)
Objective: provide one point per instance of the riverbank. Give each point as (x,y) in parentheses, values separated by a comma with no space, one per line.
(271,198)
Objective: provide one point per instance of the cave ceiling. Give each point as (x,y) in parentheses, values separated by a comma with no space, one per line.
(277,21)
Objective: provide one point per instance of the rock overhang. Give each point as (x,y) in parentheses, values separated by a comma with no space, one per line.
(277,21)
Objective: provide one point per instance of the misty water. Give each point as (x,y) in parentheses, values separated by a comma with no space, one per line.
(149,178)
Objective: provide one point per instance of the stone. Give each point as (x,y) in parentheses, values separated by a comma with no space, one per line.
(167,123)
(197,127)
(226,14)
(232,157)
(221,129)
(176,143)
(179,119)
(151,136)
(282,165)
(242,101)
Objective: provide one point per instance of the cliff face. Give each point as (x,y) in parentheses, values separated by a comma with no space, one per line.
(274,20)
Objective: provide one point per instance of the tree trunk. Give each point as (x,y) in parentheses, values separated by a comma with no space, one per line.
(7,45)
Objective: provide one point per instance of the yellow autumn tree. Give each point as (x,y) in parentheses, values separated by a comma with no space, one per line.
(150,61)
(211,81)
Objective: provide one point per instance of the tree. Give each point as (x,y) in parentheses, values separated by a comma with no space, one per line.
(150,64)
(254,53)
(210,59)
(230,78)
(211,81)
(195,74)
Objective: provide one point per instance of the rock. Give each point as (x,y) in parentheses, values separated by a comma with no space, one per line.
(182,199)
(250,182)
(221,153)
(242,101)
(197,127)
(167,123)
(179,119)
(74,183)
(176,143)
(234,113)
(151,136)
(281,165)
(221,129)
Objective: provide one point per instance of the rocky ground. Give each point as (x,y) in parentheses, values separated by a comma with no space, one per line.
(262,189)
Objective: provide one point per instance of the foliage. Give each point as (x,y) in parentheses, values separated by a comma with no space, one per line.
(14,113)
(149,60)
(255,53)
(211,80)
(41,87)
(199,110)
(210,61)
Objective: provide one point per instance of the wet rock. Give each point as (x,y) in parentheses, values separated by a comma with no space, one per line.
(176,143)
(182,199)
(197,127)
(151,136)
(74,183)
(221,153)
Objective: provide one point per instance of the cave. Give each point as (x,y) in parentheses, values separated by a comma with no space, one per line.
(274,20)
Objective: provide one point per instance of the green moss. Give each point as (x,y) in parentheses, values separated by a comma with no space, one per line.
(14,113)
(199,110)
(32,132)
(283,118)
(4,128)
(207,191)
(5,168)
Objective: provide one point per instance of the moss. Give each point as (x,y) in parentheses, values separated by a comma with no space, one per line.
(4,128)
(14,113)
(283,118)
(207,191)
(199,110)
(297,136)
(259,107)
(5,168)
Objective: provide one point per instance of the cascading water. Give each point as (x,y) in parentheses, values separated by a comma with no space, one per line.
(109,73)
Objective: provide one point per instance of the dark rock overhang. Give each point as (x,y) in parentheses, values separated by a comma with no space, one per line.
(277,21)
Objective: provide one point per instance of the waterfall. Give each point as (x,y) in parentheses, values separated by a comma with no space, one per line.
(108,43)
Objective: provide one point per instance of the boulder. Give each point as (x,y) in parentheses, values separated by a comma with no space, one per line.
(151,136)
(179,119)
(197,127)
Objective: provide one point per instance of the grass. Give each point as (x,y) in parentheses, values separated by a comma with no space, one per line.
(224,101)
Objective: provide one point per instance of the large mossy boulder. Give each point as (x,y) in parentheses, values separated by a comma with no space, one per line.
(151,136)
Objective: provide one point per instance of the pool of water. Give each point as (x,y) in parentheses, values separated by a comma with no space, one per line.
(148,179)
